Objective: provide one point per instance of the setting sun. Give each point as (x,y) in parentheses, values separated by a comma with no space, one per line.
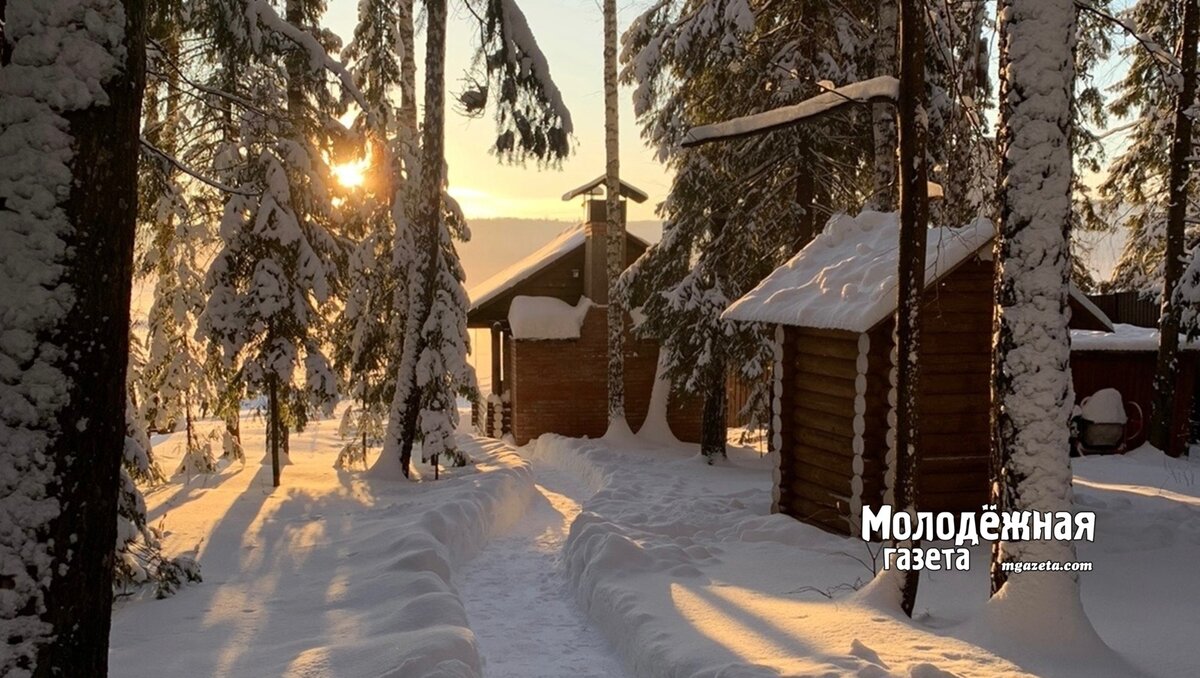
(351,174)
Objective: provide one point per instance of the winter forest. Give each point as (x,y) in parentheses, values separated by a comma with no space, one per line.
(890,368)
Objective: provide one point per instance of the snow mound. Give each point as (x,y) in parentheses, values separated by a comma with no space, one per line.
(534,318)
(1105,406)
(845,279)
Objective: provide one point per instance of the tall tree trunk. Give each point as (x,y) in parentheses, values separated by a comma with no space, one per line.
(883,117)
(1167,366)
(66,432)
(273,424)
(297,69)
(1032,399)
(408,76)
(616,224)
(712,431)
(806,194)
(429,222)
(914,222)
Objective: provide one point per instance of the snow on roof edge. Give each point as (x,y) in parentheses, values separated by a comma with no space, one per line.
(845,279)
(533,263)
(1078,295)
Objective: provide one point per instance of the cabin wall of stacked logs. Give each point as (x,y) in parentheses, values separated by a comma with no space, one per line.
(818,408)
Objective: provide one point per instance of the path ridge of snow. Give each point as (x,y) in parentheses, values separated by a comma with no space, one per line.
(332,574)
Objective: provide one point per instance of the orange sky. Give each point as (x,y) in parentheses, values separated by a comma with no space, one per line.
(570,33)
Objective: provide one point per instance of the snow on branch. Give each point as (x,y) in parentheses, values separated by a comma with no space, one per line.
(531,117)
(881,89)
(317,56)
(178,164)
(1158,53)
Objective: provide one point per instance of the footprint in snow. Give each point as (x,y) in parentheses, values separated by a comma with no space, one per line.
(865,653)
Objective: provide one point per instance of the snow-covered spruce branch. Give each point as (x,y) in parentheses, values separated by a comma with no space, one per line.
(883,89)
(179,165)
(1157,52)
(317,56)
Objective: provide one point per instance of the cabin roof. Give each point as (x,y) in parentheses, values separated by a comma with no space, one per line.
(1124,338)
(566,242)
(627,190)
(845,279)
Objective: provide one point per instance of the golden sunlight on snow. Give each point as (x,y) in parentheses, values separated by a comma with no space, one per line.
(819,637)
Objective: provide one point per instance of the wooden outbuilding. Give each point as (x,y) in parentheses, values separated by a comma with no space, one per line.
(547,318)
(1125,359)
(833,427)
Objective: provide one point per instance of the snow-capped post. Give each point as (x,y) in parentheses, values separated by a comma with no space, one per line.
(1167,364)
(68,208)
(914,220)
(1031,392)
(883,116)
(615,232)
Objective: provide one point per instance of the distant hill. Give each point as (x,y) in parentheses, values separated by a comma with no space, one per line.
(496,243)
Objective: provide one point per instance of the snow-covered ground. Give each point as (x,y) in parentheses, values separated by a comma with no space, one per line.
(686,573)
(573,558)
(328,575)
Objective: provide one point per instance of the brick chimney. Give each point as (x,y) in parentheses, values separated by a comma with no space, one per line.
(595,267)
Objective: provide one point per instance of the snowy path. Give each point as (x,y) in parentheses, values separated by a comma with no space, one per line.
(527,624)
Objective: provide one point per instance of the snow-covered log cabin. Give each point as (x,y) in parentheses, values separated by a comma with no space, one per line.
(548,325)
(833,307)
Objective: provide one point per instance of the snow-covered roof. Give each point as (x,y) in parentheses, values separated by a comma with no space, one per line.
(883,88)
(845,279)
(627,190)
(1123,338)
(546,317)
(522,270)
(1088,305)
(562,244)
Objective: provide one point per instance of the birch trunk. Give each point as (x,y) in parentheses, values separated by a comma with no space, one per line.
(616,224)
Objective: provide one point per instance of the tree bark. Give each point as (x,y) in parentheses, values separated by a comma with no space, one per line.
(806,196)
(883,116)
(429,218)
(86,437)
(1167,365)
(1031,390)
(273,426)
(914,219)
(616,224)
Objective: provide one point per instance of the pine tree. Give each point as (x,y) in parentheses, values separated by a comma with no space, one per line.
(1167,363)
(533,124)
(66,283)
(1135,191)
(139,559)
(175,376)
(1032,399)
(376,299)
(705,61)
(275,271)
